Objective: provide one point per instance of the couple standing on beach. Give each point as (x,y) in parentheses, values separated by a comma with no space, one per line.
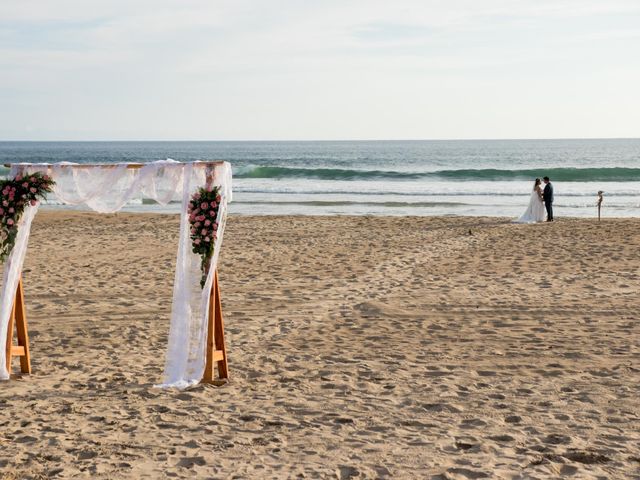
(541,200)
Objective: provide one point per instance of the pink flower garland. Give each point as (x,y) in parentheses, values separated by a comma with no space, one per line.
(15,195)
(203,218)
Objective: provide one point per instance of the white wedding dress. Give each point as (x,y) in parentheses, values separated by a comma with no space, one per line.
(535,211)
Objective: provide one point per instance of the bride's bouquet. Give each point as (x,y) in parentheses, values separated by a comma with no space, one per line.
(15,195)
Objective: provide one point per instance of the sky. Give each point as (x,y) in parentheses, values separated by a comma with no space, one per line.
(318,70)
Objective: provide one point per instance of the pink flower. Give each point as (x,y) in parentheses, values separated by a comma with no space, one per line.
(193,231)
(207,239)
(5,190)
(215,226)
(196,195)
(32,179)
(201,218)
(218,197)
(5,203)
(33,203)
(204,231)
(46,177)
(25,185)
(197,224)
(192,217)
(196,211)
(18,177)
(11,210)
(1,211)
(9,221)
(214,204)
(204,205)
(212,213)
(33,190)
(197,241)
(207,223)
(11,197)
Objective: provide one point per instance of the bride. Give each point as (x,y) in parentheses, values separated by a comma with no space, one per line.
(535,210)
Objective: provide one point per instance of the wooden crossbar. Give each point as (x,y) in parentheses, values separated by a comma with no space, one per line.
(19,319)
(212,163)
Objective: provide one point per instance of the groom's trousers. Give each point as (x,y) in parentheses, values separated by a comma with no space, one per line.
(549,207)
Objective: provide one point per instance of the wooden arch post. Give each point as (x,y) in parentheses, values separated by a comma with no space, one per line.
(19,319)
(216,349)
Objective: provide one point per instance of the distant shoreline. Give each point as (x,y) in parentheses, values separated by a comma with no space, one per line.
(56,211)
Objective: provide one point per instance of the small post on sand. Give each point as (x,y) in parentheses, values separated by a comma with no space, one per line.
(599,202)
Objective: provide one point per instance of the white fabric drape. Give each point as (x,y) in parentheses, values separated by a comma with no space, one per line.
(106,189)
(10,278)
(185,366)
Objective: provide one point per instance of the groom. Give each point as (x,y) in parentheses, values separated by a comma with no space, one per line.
(547,196)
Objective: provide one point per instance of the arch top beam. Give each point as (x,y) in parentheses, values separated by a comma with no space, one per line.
(208,163)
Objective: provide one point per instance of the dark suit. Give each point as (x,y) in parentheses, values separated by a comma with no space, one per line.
(547,196)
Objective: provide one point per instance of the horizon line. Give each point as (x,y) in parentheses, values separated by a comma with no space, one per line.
(322,140)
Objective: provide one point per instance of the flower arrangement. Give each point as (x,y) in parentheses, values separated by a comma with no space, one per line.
(15,195)
(203,218)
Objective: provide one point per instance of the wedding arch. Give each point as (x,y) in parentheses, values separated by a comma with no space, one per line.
(196,334)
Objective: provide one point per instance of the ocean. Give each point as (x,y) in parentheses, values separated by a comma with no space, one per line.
(439,177)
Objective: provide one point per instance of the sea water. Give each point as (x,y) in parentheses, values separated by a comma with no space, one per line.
(462,177)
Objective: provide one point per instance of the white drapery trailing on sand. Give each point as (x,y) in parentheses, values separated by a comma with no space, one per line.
(106,189)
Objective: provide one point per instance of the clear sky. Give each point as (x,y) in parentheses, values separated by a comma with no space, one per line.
(325,69)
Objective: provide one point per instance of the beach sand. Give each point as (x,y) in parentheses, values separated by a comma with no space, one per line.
(359,347)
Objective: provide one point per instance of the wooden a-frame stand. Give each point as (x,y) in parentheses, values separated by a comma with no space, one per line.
(215,347)
(19,318)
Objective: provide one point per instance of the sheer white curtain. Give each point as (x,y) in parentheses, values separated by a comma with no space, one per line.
(10,278)
(106,189)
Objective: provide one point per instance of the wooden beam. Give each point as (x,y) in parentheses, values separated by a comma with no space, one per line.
(21,329)
(223,370)
(18,319)
(212,163)
(207,376)
(218,355)
(17,350)
(216,351)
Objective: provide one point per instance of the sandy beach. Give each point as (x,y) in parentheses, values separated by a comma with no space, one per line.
(359,347)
